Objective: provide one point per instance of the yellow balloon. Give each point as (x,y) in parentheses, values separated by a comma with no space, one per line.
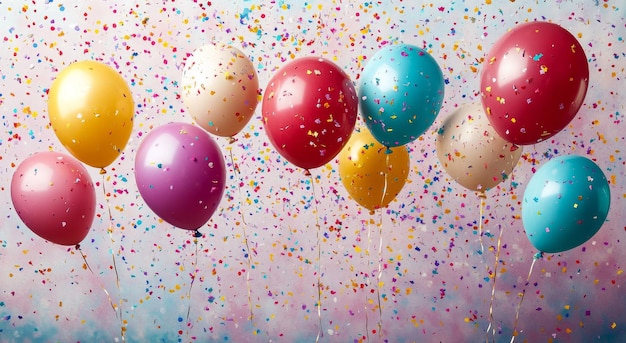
(370,174)
(91,111)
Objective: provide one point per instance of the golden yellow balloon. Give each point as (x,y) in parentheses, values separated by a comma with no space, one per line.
(91,111)
(372,175)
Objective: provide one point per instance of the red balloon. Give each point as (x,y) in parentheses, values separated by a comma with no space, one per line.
(309,111)
(533,82)
(54,196)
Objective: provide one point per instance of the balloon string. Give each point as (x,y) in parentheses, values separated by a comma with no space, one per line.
(493,289)
(117,275)
(536,257)
(482,196)
(319,263)
(245,235)
(380,273)
(87,266)
(380,242)
(196,235)
(367,275)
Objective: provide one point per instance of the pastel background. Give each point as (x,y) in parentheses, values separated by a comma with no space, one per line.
(255,270)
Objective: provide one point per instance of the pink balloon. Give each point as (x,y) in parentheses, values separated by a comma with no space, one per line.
(54,196)
(181,175)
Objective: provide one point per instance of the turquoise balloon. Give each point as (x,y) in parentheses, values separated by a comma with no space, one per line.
(565,203)
(400,94)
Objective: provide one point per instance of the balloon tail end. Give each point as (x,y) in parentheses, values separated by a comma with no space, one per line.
(388,151)
(231,140)
(538,255)
(197,234)
(307,172)
(103,171)
(514,147)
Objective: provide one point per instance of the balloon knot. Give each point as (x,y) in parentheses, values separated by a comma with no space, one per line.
(307,172)
(103,171)
(514,147)
(77,246)
(538,255)
(372,212)
(482,195)
(231,140)
(388,151)
(197,234)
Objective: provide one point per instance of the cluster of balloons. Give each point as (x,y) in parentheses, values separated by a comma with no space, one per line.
(533,83)
(91,111)
(179,168)
(310,108)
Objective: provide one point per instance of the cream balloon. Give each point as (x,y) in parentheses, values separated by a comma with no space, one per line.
(471,151)
(220,89)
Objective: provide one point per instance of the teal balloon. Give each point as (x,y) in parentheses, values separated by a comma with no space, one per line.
(565,203)
(401,91)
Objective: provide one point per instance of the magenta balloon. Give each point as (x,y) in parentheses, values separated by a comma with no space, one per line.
(54,196)
(181,175)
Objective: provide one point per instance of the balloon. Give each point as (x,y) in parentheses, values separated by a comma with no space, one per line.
(54,196)
(91,111)
(471,151)
(565,203)
(533,82)
(220,89)
(400,94)
(180,174)
(372,174)
(309,111)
